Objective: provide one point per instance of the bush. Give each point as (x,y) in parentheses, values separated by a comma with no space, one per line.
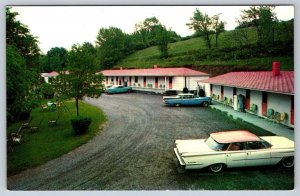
(80,124)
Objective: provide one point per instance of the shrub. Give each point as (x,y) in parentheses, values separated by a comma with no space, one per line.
(80,124)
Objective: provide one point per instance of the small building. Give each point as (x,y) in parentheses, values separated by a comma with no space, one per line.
(155,79)
(266,90)
(48,76)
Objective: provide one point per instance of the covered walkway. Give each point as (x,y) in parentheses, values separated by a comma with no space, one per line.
(265,124)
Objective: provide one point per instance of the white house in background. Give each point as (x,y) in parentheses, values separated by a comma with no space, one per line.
(266,89)
(48,76)
(155,79)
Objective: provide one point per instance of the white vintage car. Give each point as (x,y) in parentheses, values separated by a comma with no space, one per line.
(234,149)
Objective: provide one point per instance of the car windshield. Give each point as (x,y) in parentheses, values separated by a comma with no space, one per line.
(211,143)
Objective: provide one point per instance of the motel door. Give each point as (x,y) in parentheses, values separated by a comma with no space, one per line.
(247,99)
(264,105)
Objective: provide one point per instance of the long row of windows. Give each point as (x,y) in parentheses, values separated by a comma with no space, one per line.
(136,79)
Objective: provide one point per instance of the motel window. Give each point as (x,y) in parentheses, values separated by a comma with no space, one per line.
(106,78)
(117,78)
(136,79)
(129,78)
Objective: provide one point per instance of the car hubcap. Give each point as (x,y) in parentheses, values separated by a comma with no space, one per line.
(288,162)
(216,167)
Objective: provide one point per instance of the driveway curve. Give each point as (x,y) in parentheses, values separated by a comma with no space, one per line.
(134,151)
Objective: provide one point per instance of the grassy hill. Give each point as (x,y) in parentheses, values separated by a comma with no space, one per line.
(234,53)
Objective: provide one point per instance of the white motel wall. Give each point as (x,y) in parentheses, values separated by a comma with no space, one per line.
(276,101)
(163,82)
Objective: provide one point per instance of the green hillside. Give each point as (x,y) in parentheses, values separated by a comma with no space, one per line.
(237,50)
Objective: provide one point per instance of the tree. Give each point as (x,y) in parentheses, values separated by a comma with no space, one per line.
(218,27)
(202,24)
(110,43)
(18,34)
(19,82)
(264,20)
(22,54)
(81,79)
(56,59)
(163,39)
(147,30)
(265,29)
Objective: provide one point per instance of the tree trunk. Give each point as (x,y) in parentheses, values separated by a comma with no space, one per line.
(77,107)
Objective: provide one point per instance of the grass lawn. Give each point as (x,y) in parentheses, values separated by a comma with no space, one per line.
(51,142)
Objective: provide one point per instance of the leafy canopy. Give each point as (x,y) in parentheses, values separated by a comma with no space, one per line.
(81,79)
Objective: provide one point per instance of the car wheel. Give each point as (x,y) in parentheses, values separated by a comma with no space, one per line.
(205,104)
(177,104)
(287,162)
(216,167)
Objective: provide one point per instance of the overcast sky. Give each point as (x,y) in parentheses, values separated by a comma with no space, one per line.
(63,26)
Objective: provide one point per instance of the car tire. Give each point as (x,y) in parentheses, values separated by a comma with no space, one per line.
(205,104)
(287,162)
(216,168)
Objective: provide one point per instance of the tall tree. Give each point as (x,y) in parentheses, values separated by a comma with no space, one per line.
(218,27)
(110,43)
(264,19)
(18,34)
(19,82)
(147,30)
(81,79)
(163,39)
(22,54)
(202,24)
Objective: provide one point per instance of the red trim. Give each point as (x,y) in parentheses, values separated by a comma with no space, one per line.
(247,99)
(264,104)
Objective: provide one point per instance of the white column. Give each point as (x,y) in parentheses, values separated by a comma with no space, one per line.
(165,83)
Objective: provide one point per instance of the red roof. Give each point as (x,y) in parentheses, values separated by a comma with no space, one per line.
(154,72)
(234,136)
(260,80)
(51,74)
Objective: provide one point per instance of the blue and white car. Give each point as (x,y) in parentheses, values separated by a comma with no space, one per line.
(186,99)
(118,89)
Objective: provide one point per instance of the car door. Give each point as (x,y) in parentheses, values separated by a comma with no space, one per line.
(235,155)
(257,154)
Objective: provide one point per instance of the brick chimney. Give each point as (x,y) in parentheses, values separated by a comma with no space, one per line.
(155,66)
(276,68)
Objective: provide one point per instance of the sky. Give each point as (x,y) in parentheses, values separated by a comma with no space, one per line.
(63,26)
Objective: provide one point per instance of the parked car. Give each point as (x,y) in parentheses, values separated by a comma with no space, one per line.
(234,149)
(118,89)
(186,99)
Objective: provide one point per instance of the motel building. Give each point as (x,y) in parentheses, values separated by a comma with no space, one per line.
(266,93)
(47,77)
(155,79)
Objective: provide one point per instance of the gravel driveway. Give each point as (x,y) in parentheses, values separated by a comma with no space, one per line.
(133,151)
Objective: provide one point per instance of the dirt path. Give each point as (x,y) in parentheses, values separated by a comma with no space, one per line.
(134,151)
